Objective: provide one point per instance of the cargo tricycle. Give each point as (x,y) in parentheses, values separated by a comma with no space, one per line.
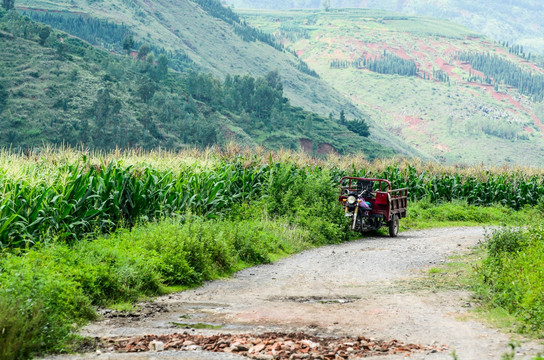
(371,204)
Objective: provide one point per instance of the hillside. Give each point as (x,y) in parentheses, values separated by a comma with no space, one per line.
(520,22)
(57,89)
(214,42)
(443,104)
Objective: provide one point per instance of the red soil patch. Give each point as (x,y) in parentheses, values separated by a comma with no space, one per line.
(400,52)
(532,66)
(419,55)
(413,121)
(451,50)
(528,129)
(424,47)
(444,66)
(468,68)
(499,96)
(517,104)
(300,52)
(538,123)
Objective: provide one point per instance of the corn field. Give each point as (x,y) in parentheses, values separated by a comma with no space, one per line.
(70,195)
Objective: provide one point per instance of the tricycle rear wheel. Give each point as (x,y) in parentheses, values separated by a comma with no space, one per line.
(394,226)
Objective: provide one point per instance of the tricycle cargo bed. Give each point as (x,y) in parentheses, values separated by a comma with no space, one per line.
(371,203)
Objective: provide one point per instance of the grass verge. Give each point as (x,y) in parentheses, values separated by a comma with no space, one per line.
(426,215)
(511,278)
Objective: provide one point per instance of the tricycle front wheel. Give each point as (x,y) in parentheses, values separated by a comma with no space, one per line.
(394,226)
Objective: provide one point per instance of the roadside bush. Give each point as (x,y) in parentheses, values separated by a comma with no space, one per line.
(50,290)
(308,198)
(513,274)
(39,305)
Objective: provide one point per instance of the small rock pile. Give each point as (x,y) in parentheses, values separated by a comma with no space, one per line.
(268,346)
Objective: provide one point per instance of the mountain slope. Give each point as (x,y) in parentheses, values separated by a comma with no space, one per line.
(214,45)
(58,89)
(520,22)
(447,108)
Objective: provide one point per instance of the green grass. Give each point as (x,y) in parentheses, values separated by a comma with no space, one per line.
(424,215)
(512,276)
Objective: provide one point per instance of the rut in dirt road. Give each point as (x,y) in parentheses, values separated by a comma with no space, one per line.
(361,289)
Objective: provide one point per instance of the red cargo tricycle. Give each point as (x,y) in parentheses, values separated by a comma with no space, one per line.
(371,204)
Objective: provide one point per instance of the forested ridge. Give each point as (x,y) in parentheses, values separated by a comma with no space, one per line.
(386,64)
(498,70)
(106,34)
(59,89)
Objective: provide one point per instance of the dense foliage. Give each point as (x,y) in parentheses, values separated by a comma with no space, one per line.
(386,64)
(72,93)
(80,198)
(216,211)
(513,274)
(261,211)
(105,34)
(501,71)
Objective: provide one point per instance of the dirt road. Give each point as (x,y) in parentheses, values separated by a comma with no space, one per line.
(362,288)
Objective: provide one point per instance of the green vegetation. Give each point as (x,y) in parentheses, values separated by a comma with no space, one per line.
(71,200)
(501,71)
(174,220)
(105,34)
(513,275)
(503,20)
(424,215)
(205,42)
(271,212)
(71,93)
(386,64)
(62,284)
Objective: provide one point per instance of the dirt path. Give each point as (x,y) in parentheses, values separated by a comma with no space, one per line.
(362,288)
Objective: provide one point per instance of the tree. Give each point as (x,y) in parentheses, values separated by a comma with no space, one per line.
(162,67)
(128,44)
(143,51)
(146,90)
(3,97)
(342,117)
(44,34)
(359,127)
(8,4)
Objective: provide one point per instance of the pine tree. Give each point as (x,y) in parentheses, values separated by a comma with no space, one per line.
(342,117)
(128,44)
(8,4)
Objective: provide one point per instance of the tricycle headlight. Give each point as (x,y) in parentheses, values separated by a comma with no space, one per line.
(352,199)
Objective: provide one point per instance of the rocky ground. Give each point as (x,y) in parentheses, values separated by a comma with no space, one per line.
(352,300)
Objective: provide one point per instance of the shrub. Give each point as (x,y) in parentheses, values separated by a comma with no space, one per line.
(39,304)
(513,273)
